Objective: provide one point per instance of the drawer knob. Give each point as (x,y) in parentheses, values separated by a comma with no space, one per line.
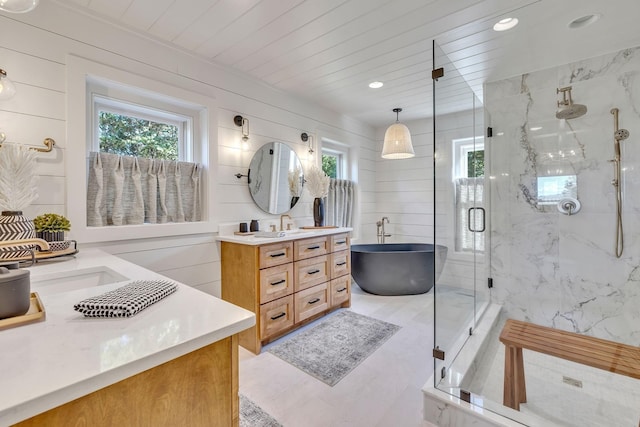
(313,301)
(279,282)
(279,316)
(277,255)
(341,290)
(341,263)
(313,247)
(313,272)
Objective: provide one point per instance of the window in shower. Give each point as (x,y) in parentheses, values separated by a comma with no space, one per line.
(468,181)
(552,189)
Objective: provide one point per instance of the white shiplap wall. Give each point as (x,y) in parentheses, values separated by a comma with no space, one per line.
(33,50)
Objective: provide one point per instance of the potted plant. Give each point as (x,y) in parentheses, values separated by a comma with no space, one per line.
(51,227)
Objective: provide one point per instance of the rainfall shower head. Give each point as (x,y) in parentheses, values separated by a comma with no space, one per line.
(621,134)
(566,108)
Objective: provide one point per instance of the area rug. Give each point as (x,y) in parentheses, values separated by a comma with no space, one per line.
(334,347)
(251,415)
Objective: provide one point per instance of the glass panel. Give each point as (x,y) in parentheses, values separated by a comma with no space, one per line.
(460,220)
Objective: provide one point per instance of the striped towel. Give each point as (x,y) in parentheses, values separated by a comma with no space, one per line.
(126,300)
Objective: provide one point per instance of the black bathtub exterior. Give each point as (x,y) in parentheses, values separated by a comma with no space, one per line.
(396,268)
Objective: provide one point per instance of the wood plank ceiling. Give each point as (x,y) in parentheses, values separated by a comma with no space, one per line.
(327,51)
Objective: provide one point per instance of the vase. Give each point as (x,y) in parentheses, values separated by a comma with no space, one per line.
(318,212)
(50,236)
(15,226)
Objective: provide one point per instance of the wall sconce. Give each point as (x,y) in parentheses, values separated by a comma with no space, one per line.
(244,124)
(18,6)
(397,140)
(7,89)
(306,137)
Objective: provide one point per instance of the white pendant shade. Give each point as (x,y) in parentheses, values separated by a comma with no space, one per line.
(397,142)
(18,6)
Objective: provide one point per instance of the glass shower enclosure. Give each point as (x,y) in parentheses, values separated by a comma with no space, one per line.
(460,217)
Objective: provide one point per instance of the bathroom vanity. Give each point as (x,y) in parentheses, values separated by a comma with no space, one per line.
(174,363)
(286,281)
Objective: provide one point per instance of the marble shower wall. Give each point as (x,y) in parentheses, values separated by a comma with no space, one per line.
(554,269)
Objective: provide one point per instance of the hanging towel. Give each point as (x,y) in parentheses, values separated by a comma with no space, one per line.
(126,300)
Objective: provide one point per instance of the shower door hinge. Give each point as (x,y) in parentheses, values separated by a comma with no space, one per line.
(490,282)
(470,331)
(489,132)
(465,395)
(437,73)
(438,354)
(443,372)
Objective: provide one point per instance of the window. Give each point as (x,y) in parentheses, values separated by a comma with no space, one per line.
(132,130)
(334,159)
(468,158)
(468,181)
(159,121)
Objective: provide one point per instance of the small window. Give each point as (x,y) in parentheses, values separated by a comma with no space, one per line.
(334,160)
(468,158)
(132,130)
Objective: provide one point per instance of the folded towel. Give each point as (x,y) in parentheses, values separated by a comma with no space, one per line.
(126,300)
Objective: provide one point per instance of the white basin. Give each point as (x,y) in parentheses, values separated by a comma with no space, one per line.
(65,281)
(298,232)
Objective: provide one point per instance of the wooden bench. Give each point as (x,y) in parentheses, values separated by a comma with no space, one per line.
(603,354)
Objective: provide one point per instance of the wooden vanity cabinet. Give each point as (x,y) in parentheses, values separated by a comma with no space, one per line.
(286,283)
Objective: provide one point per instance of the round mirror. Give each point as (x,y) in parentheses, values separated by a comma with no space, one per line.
(275,178)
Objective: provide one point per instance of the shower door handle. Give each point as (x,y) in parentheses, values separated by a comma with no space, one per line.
(469,212)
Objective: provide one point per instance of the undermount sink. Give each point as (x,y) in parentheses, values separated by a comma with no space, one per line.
(65,281)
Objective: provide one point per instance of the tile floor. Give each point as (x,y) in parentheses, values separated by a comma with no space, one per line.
(383,391)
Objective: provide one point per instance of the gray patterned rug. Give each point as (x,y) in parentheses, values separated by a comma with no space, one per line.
(251,415)
(334,347)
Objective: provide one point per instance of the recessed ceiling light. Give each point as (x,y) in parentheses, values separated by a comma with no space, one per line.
(535,128)
(584,21)
(376,85)
(505,24)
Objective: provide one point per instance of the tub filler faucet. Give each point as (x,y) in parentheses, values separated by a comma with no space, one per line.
(381,233)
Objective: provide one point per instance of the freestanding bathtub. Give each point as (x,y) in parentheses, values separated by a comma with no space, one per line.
(396,268)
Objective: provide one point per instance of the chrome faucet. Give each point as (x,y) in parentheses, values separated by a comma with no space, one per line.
(282,223)
(381,233)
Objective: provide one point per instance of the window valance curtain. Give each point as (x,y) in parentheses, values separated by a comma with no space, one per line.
(124,190)
(340,202)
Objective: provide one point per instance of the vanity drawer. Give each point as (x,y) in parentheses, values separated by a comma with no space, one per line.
(307,248)
(276,254)
(339,242)
(276,282)
(276,316)
(340,263)
(340,290)
(311,302)
(310,272)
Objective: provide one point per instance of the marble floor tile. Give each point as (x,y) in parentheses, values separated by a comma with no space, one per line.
(383,391)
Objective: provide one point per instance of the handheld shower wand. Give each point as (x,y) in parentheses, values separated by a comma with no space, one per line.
(618,135)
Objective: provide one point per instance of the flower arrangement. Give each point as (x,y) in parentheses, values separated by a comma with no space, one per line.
(317,182)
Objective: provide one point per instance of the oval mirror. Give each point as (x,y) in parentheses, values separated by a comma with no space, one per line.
(275,178)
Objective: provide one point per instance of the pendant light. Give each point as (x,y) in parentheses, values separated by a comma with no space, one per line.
(18,6)
(397,140)
(7,89)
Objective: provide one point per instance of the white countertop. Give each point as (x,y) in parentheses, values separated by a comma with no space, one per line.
(300,233)
(68,356)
